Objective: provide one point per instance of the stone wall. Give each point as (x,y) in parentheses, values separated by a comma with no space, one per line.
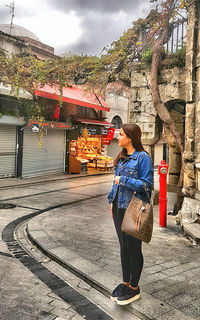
(174,153)
(176,86)
(142,111)
(190,210)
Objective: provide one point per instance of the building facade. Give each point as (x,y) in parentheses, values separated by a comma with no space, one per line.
(28,147)
(118,98)
(16,39)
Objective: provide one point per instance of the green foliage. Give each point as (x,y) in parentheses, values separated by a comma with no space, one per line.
(28,109)
(177,59)
(147,56)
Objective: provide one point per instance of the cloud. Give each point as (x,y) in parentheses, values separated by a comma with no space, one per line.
(98,31)
(4,14)
(77,25)
(101,22)
(107,6)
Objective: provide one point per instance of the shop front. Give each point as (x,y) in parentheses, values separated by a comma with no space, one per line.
(9,127)
(87,153)
(85,147)
(44,152)
(7,150)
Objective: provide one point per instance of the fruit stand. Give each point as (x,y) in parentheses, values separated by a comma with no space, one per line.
(88,149)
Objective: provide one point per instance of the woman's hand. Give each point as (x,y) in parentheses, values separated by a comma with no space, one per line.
(111,207)
(117,179)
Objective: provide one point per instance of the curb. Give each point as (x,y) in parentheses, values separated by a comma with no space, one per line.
(74,270)
(34,230)
(67,265)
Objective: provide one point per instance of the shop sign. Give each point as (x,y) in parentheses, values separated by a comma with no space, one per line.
(35,127)
(49,124)
(105,141)
(91,131)
(104,131)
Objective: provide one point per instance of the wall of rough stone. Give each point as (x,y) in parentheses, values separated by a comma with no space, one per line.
(174,153)
(191,205)
(197,131)
(142,111)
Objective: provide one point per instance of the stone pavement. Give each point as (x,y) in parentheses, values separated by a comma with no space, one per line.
(16,182)
(74,227)
(23,296)
(81,235)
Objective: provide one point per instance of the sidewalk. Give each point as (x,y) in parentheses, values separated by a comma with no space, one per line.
(81,236)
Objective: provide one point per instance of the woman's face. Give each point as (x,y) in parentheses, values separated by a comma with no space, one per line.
(123,140)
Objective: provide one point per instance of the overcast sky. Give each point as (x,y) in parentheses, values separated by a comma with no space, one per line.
(75,25)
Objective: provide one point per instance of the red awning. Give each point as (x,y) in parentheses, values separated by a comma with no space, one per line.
(96,122)
(73,95)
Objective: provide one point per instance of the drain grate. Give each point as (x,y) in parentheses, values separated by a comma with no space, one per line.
(7,205)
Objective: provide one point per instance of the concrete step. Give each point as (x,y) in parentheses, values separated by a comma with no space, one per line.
(192,230)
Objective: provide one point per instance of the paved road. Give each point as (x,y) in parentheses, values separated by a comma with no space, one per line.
(170,281)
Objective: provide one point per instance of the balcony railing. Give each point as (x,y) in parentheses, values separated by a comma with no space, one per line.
(177,39)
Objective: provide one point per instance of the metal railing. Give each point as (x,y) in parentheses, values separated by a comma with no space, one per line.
(178,36)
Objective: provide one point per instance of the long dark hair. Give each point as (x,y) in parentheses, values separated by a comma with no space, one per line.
(133,132)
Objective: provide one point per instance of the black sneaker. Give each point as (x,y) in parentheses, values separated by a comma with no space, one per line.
(129,296)
(118,291)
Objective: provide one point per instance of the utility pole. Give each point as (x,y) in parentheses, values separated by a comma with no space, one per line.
(12,12)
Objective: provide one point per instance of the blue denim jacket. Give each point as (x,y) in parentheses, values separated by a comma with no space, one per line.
(133,171)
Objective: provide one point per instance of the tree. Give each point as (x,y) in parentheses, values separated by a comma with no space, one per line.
(163,30)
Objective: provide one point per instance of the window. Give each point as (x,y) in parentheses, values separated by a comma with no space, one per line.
(117,121)
(86,112)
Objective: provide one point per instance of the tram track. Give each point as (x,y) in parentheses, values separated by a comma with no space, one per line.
(19,185)
(53,191)
(78,300)
(37,261)
(81,304)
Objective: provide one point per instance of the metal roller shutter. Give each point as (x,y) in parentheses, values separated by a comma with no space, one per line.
(113,149)
(46,160)
(7,150)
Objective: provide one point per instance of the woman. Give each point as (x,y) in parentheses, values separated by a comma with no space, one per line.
(133,170)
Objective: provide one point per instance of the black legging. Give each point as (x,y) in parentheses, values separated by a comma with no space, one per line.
(131,249)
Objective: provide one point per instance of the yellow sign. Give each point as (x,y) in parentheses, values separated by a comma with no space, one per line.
(85,134)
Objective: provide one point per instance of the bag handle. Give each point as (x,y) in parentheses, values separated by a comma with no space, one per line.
(146,189)
(145,186)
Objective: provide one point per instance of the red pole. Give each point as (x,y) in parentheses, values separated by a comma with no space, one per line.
(162,170)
